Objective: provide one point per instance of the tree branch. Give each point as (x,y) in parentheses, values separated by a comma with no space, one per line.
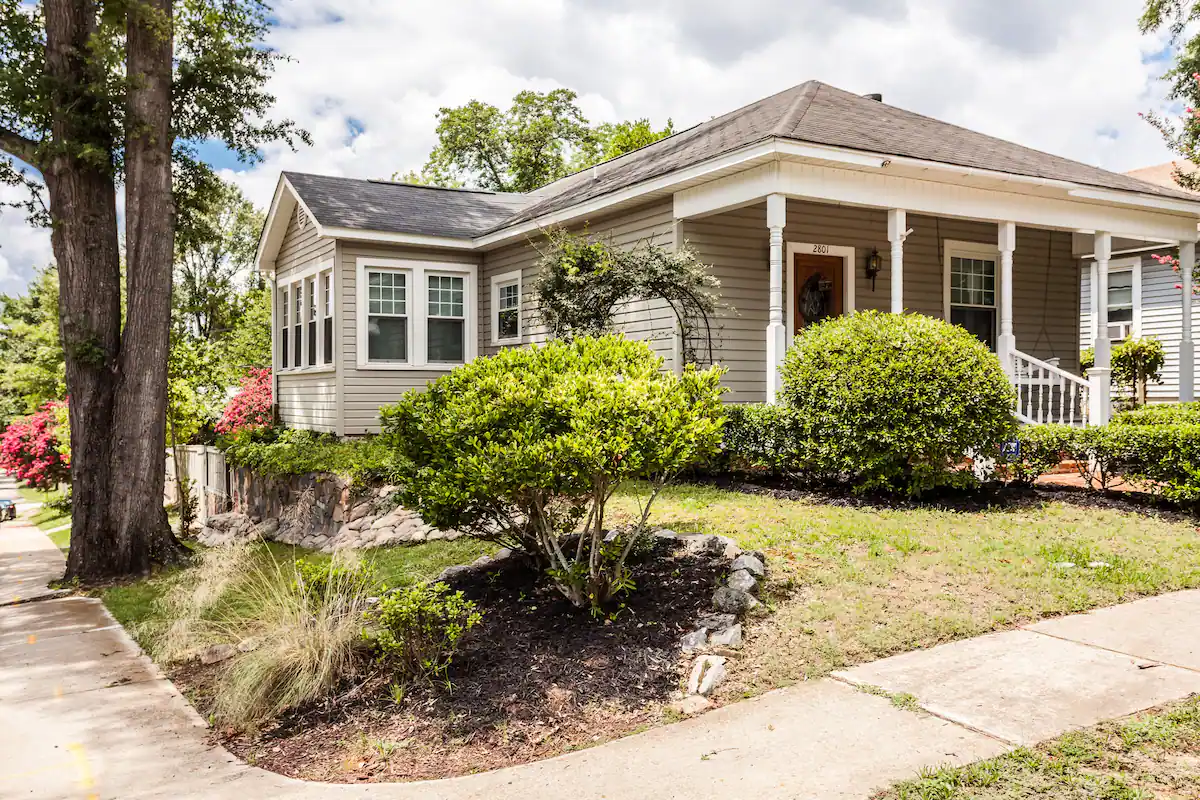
(19,146)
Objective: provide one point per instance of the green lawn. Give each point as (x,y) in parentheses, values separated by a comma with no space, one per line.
(850,585)
(1151,755)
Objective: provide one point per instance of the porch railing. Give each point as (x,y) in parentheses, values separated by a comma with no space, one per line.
(1046,393)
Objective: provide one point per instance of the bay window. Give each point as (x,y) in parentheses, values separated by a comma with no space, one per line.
(415,314)
(304,310)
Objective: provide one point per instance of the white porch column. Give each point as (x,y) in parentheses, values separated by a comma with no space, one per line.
(897,232)
(776,333)
(1006,342)
(1187,349)
(1099,376)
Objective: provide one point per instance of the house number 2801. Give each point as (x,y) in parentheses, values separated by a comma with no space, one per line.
(820,249)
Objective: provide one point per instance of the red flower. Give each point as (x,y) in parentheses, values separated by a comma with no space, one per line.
(251,407)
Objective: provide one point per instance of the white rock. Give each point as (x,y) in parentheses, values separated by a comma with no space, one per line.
(742,581)
(216,653)
(730,637)
(435,536)
(750,564)
(418,536)
(693,641)
(692,705)
(700,678)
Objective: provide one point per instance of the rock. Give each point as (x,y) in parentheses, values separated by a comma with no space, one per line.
(385,491)
(703,676)
(361,523)
(386,521)
(742,581)
(481,563)
(733,601)
(664,533)
(378,534)
(694,641)
(248,644)
(360,510)
(268,527)
(503,554)
(452,535)
(1099,565)
(1065,565)
(417,536)
(692,705)
(435,536)
(730,637)
(716,622)
(451,574)
(228,521)
(749,563)
(339,513)
(215,653)
(710,546)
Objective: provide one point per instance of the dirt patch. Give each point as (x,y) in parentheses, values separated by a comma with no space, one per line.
(537,678)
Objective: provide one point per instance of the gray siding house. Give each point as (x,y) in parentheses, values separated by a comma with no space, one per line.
(1144,298)
(381,287)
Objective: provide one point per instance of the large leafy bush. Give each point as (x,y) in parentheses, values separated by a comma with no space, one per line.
(893,402)
(37,449)
(526,446)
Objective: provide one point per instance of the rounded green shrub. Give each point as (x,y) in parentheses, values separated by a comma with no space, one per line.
(894,402)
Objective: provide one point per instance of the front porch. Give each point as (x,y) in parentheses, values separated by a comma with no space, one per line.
(786,259)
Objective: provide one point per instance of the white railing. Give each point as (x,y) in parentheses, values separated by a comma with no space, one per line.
(1048,393)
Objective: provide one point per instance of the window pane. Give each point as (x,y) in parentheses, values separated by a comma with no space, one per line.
(445,296)
(312,343)
(283,348)
(387,293)
(507,326)
(1120,314)
(297,352)
(972,281)
(510,297)
(327,284)
(328,343)
(979,321)
(1120,280)
(446,340)
(283,307)
(387,338)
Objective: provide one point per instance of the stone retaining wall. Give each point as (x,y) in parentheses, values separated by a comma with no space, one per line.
(318,511)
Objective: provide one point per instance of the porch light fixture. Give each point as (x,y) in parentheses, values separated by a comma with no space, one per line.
(874,264)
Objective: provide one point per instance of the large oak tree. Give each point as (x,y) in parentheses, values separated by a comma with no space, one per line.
(94,93)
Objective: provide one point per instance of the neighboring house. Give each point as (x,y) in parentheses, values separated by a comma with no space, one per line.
(1143,298)
(381,287)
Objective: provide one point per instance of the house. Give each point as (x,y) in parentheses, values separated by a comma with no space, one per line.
(381,287)
(1143,296)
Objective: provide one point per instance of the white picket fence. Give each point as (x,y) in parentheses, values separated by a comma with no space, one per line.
(205,466)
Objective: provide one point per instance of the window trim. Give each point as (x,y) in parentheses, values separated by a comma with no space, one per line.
(409,344)
(418,308)
(952,248)
(1133,265)
(499,282)
(289,285)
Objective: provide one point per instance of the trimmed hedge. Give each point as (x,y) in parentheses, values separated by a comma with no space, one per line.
(1161,414)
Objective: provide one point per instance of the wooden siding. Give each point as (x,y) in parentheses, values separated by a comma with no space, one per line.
(736,244)
(651,322)
(1162,319)
(306,399)
(365,390)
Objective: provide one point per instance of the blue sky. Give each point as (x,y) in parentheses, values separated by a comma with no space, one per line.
(367,76)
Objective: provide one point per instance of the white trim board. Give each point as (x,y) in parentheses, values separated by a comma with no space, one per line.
(789,269)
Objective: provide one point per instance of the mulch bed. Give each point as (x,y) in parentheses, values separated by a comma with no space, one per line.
(970,501)
(537,677)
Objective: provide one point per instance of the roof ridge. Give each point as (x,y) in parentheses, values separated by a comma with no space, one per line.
(382,182)
(803,102)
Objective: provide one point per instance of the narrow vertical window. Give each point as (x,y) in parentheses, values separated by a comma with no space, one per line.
(282,308)
(327,317)
(297,326)
(387,316)
(310,302)
(446,319)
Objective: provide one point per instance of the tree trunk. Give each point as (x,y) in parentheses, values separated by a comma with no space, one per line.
(139,414)
(83,210)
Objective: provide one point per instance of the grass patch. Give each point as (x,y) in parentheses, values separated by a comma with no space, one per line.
(853,584)
(901,700)
(46,518)
(1153,754)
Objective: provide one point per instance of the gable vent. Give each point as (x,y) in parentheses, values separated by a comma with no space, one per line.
(301,219)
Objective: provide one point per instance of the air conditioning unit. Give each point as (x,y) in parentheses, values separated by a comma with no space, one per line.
(1120,331)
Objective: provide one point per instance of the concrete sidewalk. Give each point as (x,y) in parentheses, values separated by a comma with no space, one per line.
(88,716)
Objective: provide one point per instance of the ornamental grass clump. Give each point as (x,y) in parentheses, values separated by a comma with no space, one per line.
(893,402)
(525,449)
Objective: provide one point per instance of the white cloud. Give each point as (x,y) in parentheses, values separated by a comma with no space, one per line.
(1064,78)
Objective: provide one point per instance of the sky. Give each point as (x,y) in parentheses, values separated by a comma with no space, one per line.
(366,77)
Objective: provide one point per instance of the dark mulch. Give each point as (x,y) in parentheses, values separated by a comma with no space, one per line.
(538,677)
(990,497)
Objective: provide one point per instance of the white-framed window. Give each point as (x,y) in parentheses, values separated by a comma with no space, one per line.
(305,302)
(283,305)
(1124,298)
(972,287)
(506,308)
(415,314)
(327,317)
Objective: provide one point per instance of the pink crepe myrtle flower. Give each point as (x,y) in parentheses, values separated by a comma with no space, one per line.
(31,451)
(250,408)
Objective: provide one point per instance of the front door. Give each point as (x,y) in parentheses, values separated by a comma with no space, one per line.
(817,288)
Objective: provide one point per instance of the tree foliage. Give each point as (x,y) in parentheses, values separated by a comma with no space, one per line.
(32,371)
(583,282)
(1182,135)
(543,136)
(525,447)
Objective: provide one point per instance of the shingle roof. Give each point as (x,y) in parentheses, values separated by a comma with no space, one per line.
(403,207)
(812,112)
(818,113)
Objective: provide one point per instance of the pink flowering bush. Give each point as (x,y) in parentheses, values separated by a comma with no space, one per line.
(36,449)
(250,408)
